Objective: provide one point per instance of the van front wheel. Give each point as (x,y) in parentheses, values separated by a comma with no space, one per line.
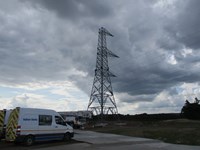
(67,137)
(29,140)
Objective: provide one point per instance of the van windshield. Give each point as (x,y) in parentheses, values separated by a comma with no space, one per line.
(59,120)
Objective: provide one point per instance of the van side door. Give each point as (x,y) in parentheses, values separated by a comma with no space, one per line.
(45,124)
(60,125)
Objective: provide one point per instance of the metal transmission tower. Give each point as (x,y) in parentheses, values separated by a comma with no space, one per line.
(102,100)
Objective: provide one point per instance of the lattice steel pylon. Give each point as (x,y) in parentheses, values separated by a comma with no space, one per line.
(102,99)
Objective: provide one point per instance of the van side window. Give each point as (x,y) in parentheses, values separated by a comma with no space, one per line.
(45,120)
(59,120)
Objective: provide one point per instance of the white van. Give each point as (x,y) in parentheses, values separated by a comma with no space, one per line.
(29,125)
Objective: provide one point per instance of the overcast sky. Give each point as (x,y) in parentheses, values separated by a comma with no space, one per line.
(48,53)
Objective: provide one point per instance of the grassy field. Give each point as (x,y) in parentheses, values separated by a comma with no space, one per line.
(179,131)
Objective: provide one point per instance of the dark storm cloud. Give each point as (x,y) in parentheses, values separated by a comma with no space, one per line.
(150,80)
(75,9)
(25,55)
(150,73)
(138,98)
(187,24)
(35,45)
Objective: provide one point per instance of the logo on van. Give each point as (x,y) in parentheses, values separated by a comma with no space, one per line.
(29,119)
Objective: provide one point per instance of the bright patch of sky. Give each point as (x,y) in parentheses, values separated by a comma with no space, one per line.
(186,52)
(171,59)
(57,96)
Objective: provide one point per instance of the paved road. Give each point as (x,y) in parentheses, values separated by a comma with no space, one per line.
(104,141)
(88,140)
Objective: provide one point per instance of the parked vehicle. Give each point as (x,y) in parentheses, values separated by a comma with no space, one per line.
(30,125)
(4,115)
(77,119)
(1,122)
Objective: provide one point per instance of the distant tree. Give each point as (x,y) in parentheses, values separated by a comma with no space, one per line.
(191,110)
(197,100)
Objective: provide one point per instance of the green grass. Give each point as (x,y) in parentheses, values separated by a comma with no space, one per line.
(180,131)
